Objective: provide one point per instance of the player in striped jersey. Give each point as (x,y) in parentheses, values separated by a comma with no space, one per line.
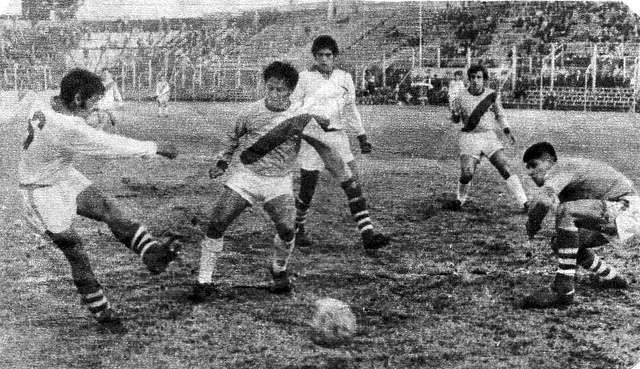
(53,191)
(330,92)
(592,200)
(479,109)
(268,134)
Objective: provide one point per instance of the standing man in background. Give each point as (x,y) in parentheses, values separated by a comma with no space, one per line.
(163,93)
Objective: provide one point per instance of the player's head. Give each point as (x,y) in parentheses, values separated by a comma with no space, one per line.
(538,158)
(280,80)
(478,76)
(457,74)
(80,91)
(324,50)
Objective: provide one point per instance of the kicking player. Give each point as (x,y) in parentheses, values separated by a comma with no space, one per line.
(53,191)
(268,134)
(473,107)
(593,200)
(330,92)
(163,92)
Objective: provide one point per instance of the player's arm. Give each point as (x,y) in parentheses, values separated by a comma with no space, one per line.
(84,139)
(332,160)
(230,143)
(352,115)
(546,199)
(499,114)
(456,108)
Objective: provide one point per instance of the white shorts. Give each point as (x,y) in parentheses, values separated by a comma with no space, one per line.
(476,144)
(52,208)
(626,213)
(256,188)
(309,159)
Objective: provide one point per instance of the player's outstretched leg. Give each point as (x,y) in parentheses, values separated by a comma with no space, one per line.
(308,183)
(358,207)
(156,255)
(561,291)
(226,210)
(282,211)
(514,185)
(88,287)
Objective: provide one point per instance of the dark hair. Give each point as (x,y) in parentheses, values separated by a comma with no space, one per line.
(538,150)
(283,71)
(79,81)
(478,68)
(457,73)
(324,42)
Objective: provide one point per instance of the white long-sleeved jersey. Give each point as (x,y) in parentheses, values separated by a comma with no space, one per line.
(333,97)
(53,139)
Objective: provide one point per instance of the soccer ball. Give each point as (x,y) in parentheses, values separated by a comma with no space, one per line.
(333,322)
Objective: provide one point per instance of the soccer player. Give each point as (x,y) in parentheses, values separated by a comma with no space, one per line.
(104,117)
(53,191)
(268,134)
(163,92)
(455,86)
(479,109)
(593,200)
(330,92)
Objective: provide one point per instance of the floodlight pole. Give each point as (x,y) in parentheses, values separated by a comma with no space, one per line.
(420,37)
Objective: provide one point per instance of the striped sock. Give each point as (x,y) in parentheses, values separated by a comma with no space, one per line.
(141,241)
(358,206)
(601,268)
(567,242)
(302,209)
(96,301)
(282,251)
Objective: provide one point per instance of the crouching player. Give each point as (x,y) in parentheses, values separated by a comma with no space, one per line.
(53,191)
(593,200)
(268,134)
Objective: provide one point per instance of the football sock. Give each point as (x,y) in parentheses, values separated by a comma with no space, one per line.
(567,242)
(358,206)
(95,301)
(515,187)
(463,191)
(134,235)
(593,263)
(308,182)
(282,251)
(210,249)
(302,209)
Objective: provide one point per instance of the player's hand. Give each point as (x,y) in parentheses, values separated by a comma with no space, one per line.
(167,150)
(365,146)
(218,170)
(507,132)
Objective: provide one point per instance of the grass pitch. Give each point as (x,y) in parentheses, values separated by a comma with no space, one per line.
(440,296)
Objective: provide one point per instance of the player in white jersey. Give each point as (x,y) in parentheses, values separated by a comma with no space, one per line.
(329,91)
(105,117)
(455,86)
(163,92)
(479,109)
(268,134)
(591,200)
(53,191)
